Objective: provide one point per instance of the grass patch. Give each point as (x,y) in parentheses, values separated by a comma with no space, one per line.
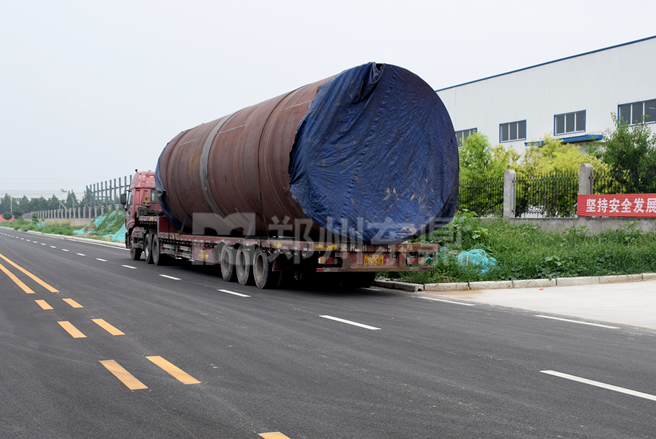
(55,228)
(526,251)
(99,228)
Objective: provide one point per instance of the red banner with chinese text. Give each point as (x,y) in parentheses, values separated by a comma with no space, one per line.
(640,205)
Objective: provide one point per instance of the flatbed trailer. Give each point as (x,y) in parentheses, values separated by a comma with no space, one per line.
(260,260)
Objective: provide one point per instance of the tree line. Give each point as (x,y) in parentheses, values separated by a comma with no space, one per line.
(25,205)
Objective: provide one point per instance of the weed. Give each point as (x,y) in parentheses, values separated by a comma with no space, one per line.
(525,251)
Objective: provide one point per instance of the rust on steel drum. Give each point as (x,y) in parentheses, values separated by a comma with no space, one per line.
(231,176)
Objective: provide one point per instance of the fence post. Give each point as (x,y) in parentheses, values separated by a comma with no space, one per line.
(509,193)
(585,179)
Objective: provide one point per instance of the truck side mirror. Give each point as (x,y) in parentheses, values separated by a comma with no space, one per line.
(124,199)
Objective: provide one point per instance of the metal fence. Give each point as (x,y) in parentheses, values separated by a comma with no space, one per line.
(106,193)
(99,198)
(553,194)
(624,182)
(481,196)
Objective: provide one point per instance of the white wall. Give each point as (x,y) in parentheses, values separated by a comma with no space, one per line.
(596,82)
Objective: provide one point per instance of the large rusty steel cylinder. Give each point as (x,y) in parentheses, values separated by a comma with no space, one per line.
(369,154)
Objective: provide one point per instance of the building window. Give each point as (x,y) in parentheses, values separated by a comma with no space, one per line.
(463,134)
(634,112)
(569,123)
(512,131)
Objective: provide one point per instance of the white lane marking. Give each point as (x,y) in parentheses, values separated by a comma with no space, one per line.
(170,277)
(599,384)
(52,246)
(128,266)
(81,254)
(101,260)
(64,250)
(447,301)
(349,322)
(576,321)
(236,294)
(22,239)
(372,289)
(43,243)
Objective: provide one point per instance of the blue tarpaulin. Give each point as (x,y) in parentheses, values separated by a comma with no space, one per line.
(478,258)
(376,157)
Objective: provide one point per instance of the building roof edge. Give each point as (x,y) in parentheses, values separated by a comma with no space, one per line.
(548,62)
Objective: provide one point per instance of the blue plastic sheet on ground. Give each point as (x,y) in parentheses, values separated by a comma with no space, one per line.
(107,221)
(118,236)
(478,258)
(376,158)
(83,230)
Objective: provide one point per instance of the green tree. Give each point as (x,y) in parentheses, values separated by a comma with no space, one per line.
(5,205)
(71,200)
(481,174)
(551,154)
(7,215)
(24,204)
(480,160)
(53,203)
(547,180)
(39,204)
(629,151)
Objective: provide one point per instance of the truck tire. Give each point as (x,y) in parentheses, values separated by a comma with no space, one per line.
(135,253)
(228,271)
(244,265)
(158,258)
(263,274)
(148,248)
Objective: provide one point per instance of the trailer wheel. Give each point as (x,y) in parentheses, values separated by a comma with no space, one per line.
(228,271)
(135,253)
(244,265)
(158,258)
(265,277)
(148,248)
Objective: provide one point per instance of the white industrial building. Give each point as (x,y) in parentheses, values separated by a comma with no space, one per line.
(570,98)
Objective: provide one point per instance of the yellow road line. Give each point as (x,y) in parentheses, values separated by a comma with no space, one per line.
(176,372)
(34,278)
(123,375)
(16,280)
(68,327)
(73,303)
(273,435)
(107,327)
(43,304)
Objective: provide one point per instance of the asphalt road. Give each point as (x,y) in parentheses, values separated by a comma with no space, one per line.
(135,354)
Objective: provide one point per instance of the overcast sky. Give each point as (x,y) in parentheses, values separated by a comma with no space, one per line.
(91,90)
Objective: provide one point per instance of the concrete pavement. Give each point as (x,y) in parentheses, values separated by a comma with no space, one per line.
(631,303)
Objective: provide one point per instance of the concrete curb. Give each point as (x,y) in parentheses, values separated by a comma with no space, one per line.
(528,283)
(83,240)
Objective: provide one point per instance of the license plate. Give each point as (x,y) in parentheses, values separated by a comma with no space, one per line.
(370,260)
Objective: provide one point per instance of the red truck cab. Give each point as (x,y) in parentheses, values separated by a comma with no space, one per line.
(141,201)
